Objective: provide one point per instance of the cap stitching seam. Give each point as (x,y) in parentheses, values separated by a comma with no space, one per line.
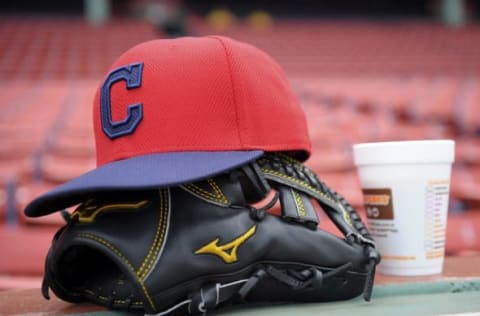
(233,87)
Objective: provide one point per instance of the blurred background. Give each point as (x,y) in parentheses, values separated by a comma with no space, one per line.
(372,70)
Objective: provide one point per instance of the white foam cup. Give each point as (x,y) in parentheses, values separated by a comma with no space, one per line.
(406,188)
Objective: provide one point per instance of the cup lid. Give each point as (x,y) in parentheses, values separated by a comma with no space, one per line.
(404,152)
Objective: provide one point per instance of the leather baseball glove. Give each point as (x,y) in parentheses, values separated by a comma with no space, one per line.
(199,246)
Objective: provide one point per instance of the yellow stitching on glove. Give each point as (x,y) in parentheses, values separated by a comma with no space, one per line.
(87,213)
(216,195)
(159,236)
(346,216)
(121,256)
(300,205)
(300,182)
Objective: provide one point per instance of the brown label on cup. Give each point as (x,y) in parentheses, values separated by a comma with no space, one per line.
(378,203)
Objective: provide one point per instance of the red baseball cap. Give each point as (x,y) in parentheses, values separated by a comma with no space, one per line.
(173,111)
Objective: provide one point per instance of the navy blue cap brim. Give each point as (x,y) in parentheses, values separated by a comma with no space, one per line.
(142,172)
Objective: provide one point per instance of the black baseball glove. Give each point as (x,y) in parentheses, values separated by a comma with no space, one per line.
(195,247)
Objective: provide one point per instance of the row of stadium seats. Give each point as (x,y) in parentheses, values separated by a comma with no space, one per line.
(68,48)
(321,48)
(65,48)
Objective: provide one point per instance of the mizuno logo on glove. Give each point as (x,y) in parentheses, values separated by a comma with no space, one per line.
(227,252)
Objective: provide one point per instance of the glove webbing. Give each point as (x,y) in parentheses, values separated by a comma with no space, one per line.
(296,207)
(284,170)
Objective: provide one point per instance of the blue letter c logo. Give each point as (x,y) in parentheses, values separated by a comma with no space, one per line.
(132,74)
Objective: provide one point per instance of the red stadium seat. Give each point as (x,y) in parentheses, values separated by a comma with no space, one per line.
(463,232)
(8,282)
(58,169)
(24,250)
